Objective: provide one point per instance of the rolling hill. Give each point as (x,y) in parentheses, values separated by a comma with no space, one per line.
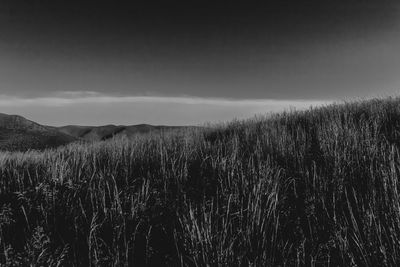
(98,133)
(19,133)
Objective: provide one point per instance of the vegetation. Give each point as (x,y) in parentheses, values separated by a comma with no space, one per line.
(20,134)
(310,188)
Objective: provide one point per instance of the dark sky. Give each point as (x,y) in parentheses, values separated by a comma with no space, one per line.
(282,50)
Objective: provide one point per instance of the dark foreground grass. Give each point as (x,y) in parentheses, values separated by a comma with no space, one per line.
(313,188)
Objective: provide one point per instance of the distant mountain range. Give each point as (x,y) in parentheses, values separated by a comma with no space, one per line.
(19,133)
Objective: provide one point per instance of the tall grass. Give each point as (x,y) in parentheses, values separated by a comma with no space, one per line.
(310,188)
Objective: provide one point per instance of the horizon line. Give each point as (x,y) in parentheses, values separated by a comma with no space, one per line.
(66,98)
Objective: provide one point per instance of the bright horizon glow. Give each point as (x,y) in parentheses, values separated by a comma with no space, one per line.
(85,97)
(93,108)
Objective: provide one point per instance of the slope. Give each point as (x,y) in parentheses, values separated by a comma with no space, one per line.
(97,133)
(19,134)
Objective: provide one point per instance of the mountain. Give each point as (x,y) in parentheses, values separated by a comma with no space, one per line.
(97,133)
(19,133)
(18,122)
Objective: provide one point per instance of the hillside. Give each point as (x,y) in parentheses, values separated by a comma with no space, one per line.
(12,122)
(97,133)
(18,133)
(311,188)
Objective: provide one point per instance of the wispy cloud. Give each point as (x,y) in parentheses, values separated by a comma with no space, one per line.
(71,98)
(93,108)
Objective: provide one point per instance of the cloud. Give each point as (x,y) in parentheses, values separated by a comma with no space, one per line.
(71,98)
(93,108)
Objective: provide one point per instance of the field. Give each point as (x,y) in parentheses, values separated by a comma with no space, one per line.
(302,188)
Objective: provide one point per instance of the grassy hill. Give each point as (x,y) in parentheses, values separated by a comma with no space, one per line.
(20,134)
(97,133)
(310,188)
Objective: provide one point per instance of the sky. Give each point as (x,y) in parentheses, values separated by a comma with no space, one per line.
(187,63)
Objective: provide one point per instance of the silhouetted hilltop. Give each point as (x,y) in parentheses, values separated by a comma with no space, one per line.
(19,133)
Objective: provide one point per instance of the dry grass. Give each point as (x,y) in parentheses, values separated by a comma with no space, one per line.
(311,188)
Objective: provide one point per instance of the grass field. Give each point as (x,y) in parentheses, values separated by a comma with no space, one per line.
(307,188)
